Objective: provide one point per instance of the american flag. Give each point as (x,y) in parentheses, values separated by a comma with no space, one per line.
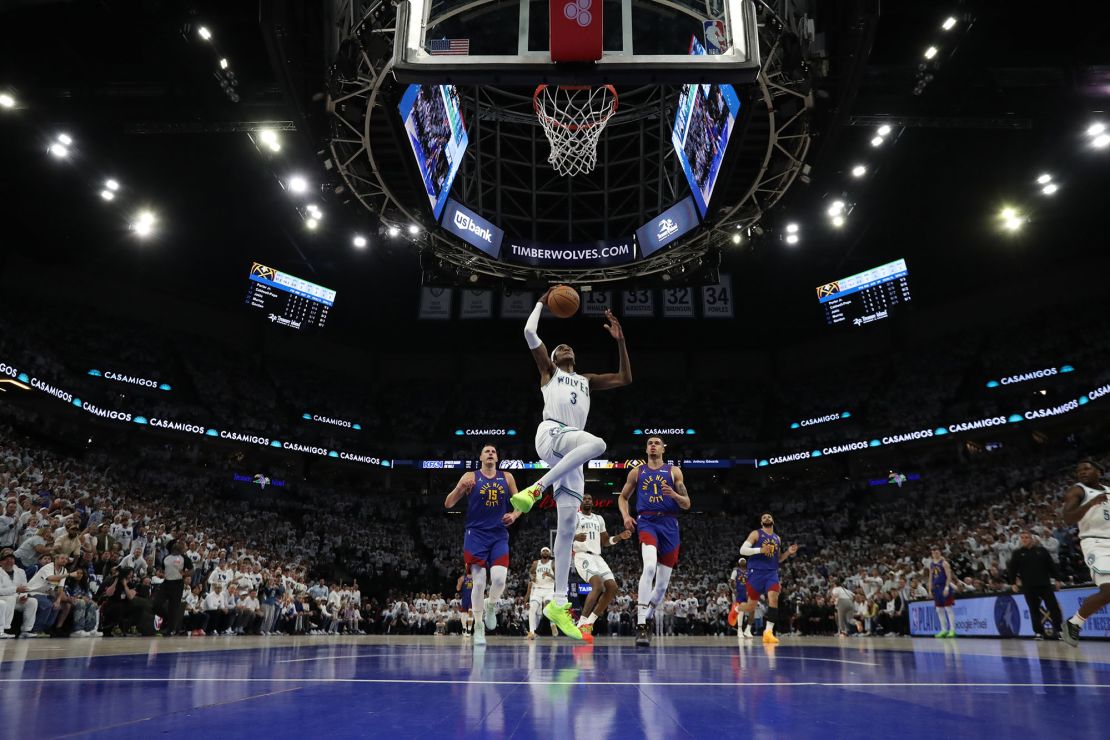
(449,47)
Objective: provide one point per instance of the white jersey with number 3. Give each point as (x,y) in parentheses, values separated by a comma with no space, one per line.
(566,399)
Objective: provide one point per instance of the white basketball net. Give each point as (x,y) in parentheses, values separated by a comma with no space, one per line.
(573,118)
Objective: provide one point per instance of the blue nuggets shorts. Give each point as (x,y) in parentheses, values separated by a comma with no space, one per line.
(762,582)
(486,548)
(662,532)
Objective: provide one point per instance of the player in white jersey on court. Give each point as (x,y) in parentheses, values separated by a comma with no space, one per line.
(541,589)
(1087,504)
(589,535)
(563,443)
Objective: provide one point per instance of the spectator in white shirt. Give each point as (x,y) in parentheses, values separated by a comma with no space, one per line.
(14,596)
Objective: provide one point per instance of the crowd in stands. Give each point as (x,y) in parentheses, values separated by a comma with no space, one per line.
(256,560)
(255,564)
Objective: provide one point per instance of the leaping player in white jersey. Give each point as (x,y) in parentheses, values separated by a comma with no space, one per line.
(563,443)
(1087,504)
(589,535)
(541,589)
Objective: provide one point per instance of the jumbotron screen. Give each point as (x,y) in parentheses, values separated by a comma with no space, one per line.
(287,299)
(866,297)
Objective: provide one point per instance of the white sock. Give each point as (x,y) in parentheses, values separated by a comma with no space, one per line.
(587,449)
(740,620)
(533,615)
(941,617)
(588,620)
(1078,621)
(770,627)
(567,509)
(478,592)
(951,612)
(647,582)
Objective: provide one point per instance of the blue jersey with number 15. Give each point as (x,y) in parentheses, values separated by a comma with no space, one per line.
(488,501)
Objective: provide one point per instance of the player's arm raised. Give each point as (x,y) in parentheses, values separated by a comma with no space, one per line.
(681,495)
(626,493)
(623,376)
(792,550)
(512,516)
(466,482)
(1074,508)
(532,337)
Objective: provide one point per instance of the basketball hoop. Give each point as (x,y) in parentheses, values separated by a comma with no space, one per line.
(573,117)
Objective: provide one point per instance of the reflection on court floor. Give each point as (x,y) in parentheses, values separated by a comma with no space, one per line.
(440,687)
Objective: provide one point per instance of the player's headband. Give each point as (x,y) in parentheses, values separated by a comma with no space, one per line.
(545,549)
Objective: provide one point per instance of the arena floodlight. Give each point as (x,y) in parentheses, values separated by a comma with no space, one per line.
(107,194)
(311,224)
(269,139)
(949,23)
(393,231)
(884,130)
(6,101)
(792,228)
(1095,129)
(877,141)
(204,33)
(143,225)
(1008,213)
(111,185)
(297,184)
(315,211)
(1050,188)
(838,221)
(359,241)
(414,229)
(1044,179)
(1012,220)
(1101,141)
(930,52)
(735,238)
(836,208)
(58,150)
(859,171)
(791,239)
(223,63)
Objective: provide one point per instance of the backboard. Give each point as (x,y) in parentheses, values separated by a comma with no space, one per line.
(508,42)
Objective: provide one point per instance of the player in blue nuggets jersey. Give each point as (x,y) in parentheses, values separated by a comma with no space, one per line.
(660,495)
(764,552)
(944,593)
(486,544)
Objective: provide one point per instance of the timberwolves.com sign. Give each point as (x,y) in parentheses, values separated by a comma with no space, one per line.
(1047,372)
(131,379)
(579,256)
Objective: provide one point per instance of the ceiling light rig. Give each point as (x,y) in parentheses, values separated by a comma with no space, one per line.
(1098,135)
(7,101)
(931,55)
(226,78)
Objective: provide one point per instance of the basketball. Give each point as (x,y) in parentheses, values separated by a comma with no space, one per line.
(563,301)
